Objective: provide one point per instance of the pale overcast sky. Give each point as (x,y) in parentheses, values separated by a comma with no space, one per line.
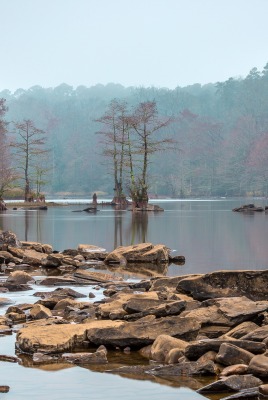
(164,43)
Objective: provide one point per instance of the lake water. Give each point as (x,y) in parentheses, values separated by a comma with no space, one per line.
(207,233)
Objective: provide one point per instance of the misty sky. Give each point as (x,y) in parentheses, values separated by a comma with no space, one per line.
(162,43)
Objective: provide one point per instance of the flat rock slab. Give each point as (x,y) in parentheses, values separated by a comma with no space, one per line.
(65,337)
(97,277)
(57,280)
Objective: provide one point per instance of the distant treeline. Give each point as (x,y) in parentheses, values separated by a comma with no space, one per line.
(221,130)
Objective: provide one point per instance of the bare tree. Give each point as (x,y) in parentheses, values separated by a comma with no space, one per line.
(7,174)
(146,124)
(29,145)
(114,133)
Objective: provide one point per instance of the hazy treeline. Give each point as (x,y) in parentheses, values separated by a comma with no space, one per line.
(221,130)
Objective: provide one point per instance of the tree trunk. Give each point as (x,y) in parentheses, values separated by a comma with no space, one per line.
(2,205)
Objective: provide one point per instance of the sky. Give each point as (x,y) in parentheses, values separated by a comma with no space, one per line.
(161,43)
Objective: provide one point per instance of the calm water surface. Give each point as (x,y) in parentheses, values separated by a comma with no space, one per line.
(207,233)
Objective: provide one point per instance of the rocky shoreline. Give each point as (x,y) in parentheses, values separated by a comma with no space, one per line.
(207,325)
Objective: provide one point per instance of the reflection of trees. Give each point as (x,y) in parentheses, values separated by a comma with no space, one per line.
(118,235)
(136,232)
(139,227)
(26,225)
(28,217)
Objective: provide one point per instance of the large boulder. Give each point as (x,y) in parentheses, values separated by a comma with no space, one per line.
(142,253)
(252,284)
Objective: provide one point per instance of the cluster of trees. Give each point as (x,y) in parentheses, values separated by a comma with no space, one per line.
(130,138)
(220,132)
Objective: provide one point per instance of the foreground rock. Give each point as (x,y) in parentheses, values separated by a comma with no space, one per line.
(60,338)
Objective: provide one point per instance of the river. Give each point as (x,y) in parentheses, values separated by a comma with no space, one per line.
(206,232)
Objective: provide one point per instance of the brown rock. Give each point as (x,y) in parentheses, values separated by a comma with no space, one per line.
(90,252)
(231,383)
(8,238)
(96,277)
(57,280)
(39,312)
(196,349)
(4,389)
(253,284)
(230,354)
(163,345)
(184,368)
(62,304)
(237,369)
(259,334)
(168,283)
(40,358)
(144,252)
(33,257)
(263,389)
(59,338)
(52,260)
(16,317)
(8,257)
(241,330)
(99,357)
(19,277)
(259,365)
(118,302)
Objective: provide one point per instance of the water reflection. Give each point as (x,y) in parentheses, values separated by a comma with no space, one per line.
(139,227)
